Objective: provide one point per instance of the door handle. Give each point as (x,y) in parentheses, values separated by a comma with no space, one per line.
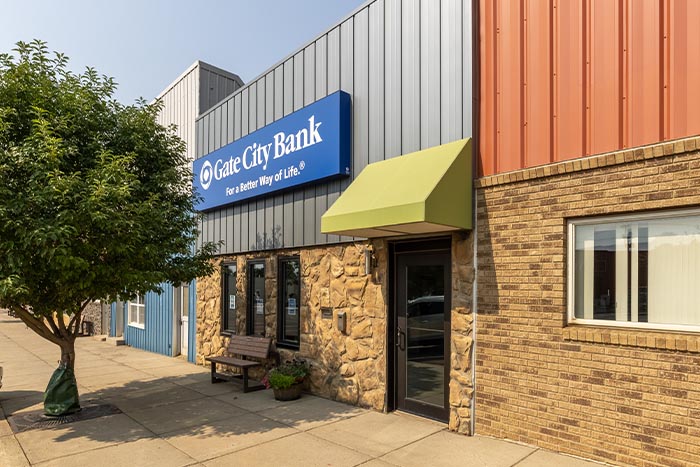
(400,339)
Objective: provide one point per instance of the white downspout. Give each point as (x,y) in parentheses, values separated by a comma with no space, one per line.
(472,419)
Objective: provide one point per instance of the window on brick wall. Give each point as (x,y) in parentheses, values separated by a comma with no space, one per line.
(636,271)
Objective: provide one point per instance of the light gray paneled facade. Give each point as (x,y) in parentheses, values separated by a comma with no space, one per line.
(194,92)
(407,64)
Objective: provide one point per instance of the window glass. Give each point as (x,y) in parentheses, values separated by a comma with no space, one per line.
(288,323)
(644,271)
(256,299)
(136,311)
(228,318)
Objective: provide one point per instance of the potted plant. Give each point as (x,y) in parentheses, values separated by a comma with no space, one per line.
(287,380)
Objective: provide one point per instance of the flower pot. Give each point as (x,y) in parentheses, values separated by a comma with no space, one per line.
(291,393)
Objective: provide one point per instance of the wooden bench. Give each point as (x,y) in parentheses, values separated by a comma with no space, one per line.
(243,346)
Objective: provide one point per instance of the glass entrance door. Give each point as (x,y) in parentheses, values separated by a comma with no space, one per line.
(423,333)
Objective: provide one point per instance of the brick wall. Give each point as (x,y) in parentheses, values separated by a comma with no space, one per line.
(616,395)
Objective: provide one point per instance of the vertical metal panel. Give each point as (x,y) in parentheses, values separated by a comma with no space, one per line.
(644,39)
(261,102)
(278,221)
(229,232)
(288,86)
(321,197)
(279,92)
(333,60)
(230,121)
(599,75)
(451,80)
(157,334)
(683,62)
(429,74)
(310,216)
(333,50)
(252,107)
(537,86)
(508,23)
(288,220)
(569,86)
(113,319)
(245,112)
(245,245)
(360,102)
(200,138)
(298,213)
(299,80)
(260,230)
(237,118)
(347,67)
(310,74)
(603,116)
(269,98)
(375,74)
(269,222)
(217,125)
(212,128)
(237,232)
(403,63)
(410,76)
(392,78)
(252,225)
(321,68)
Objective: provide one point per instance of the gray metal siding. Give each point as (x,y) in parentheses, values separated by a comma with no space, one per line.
(406,64)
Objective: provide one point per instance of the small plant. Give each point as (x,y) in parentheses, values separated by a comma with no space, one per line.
(286,375)
(286,379)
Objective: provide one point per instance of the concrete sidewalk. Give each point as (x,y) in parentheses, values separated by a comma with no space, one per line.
(173,416)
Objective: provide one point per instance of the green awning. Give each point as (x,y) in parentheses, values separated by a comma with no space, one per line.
(422,192)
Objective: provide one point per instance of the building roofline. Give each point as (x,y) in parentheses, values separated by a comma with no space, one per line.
(191,68)
(290,55)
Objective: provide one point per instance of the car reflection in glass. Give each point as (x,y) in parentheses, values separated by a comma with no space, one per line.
(426,327)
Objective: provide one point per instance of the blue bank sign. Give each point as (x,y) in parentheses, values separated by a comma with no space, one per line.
(308,145)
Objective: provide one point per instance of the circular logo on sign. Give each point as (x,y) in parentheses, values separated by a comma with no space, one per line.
(206,175)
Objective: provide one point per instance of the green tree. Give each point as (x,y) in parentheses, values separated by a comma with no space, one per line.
(95,196)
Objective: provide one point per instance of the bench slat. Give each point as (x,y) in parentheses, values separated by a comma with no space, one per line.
(234,362)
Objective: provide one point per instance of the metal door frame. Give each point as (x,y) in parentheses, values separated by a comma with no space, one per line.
(427,247)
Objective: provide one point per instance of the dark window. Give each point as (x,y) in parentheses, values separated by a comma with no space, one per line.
(289,293)
(256,298)
(228,315)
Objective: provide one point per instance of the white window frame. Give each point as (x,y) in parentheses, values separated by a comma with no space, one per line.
(571,254)
(140,309)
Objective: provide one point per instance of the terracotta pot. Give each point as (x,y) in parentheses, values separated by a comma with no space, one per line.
(291,393)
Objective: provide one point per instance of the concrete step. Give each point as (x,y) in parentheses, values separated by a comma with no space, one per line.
(100,338)
(116,340)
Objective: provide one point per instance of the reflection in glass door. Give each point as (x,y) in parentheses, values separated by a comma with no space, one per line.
(423,333)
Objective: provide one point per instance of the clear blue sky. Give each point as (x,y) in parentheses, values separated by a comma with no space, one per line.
(146,44)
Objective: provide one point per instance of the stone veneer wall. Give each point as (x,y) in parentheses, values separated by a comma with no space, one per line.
(461,388)
(348,367)
(619,395)
(93,313)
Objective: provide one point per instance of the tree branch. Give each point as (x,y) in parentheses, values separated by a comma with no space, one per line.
(62,324)
(35,324)
(75,320)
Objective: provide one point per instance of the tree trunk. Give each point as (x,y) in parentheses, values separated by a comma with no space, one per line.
(68,353)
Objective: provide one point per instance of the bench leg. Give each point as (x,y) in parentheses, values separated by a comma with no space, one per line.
(214,379)
(245,379)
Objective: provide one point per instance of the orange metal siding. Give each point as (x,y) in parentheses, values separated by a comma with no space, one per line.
(562,79)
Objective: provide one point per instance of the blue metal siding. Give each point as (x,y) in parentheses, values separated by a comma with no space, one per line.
(113,320)
(157,335)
